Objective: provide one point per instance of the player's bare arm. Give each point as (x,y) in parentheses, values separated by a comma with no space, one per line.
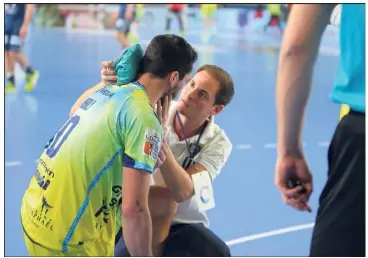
(297,56)
(177,179)
(163,209)
(129,12)
(27,20)
(135,210)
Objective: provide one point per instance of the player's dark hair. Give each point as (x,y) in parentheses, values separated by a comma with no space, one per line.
(168,53)
(226,91)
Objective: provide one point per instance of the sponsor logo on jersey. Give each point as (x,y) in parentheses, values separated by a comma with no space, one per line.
(109,204)
(152,143)
(87,104)
(104,91)
(40,217)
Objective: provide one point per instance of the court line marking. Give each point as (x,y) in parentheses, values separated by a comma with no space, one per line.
(244,146)
(12,163)
(270,146)
(323,144)
(276,232)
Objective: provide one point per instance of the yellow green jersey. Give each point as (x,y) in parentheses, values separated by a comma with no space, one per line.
(72,202)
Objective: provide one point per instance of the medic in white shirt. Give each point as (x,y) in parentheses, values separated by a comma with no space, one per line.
(197,149)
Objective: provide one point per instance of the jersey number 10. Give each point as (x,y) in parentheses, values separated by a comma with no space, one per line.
(53,146)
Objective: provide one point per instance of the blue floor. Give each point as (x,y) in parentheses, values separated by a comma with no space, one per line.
(247,202)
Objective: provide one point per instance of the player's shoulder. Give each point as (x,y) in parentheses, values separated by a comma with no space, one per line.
(131,95)
(131,88)
(137,102)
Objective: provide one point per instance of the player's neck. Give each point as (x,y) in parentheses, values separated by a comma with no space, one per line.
(191,127)
(153,87)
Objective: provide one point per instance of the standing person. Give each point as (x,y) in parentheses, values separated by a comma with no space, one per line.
(134,31)
(258,12)
(275,11)
(208,13)
(340,223)
(103,155)
(17,20)
(125,19)
(178,11)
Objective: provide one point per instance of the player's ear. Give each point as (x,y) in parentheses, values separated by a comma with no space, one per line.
(173,78)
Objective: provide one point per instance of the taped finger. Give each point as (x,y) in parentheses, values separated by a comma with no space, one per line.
(110,78)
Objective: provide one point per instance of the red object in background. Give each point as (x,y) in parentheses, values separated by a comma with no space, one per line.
(258,14)
(65,10)
(177,7)
(274,21)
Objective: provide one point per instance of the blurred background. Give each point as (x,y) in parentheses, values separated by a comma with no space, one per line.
(103,16)
(65,45)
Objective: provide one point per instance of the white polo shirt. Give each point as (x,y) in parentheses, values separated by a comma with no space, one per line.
(215,148)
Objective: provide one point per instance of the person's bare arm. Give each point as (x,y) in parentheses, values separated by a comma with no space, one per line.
(163,209)
(177,179)
(28,14)
(211,159)
(298,54)
(129,12)
(135,210)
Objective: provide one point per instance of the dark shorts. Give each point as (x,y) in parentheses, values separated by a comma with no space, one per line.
(12,40)
(340,221)
(123,25)
(187,240)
